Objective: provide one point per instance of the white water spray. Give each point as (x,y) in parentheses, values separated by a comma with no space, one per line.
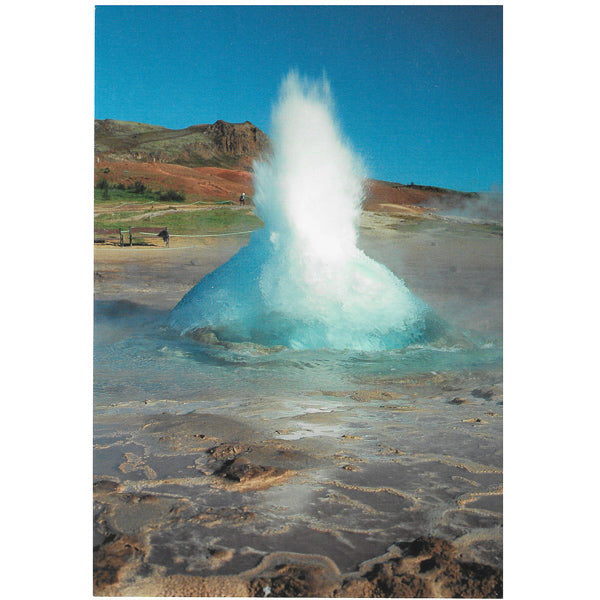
(302,282)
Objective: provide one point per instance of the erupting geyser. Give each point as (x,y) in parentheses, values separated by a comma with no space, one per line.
(302,282)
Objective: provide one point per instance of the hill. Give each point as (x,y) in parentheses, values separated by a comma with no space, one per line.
(220,144)
(386,196)
(196,183)
(213,163)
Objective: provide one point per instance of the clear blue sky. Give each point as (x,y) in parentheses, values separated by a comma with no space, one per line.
(418,89)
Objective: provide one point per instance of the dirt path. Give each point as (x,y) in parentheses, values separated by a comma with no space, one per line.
(101,210)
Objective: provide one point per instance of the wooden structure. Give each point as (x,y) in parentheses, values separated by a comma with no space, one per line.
(161,232)
(105,231)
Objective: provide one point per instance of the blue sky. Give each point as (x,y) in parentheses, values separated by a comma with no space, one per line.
(417,89)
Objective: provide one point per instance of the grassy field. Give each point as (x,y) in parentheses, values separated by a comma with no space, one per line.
(184,222)
(116,196)
(124,208)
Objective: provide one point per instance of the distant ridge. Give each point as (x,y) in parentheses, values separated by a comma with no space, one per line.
(215,160)
(220,144)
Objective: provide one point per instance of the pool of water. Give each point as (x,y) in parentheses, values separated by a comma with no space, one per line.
(138,358)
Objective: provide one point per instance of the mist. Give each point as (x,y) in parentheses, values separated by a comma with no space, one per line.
(485,207)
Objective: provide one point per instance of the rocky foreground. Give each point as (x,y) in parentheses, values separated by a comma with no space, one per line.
(424,568)
(199,504)
(140,524)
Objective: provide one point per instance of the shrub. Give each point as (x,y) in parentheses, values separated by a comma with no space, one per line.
(171,196)
(139,187)
(102,184)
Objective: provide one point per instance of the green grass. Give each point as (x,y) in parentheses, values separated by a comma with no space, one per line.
(116,196)
(203,222)
(152,139)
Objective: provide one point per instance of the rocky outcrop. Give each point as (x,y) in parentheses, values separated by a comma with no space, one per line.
(221,144)
(252,477)
(236,139)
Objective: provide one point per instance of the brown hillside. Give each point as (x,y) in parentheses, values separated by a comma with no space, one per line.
(206,183)
(384,196)
(196,182)
(214,162)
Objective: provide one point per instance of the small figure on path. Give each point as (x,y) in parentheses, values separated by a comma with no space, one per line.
(164,235)
(243,199)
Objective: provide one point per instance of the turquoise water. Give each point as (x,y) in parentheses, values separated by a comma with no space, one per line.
(137,357)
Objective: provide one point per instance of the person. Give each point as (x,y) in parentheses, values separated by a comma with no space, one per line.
(243,199)
(164,235)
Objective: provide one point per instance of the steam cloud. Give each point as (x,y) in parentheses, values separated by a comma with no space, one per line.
(483,206)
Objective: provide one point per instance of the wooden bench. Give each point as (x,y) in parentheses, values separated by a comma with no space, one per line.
(161,232)
(105,231)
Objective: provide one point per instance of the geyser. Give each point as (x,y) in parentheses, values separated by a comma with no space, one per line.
(302,282)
